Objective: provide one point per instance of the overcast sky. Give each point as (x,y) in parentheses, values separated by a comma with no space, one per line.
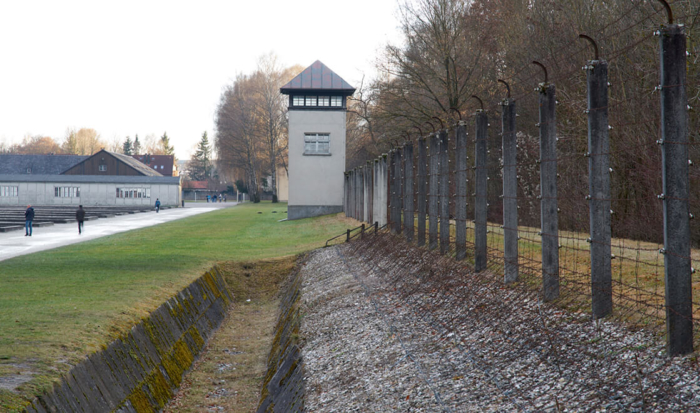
(145,67)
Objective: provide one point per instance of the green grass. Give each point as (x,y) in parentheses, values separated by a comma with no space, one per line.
(58,306)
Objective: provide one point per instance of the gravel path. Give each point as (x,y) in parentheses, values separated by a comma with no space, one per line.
(389,327)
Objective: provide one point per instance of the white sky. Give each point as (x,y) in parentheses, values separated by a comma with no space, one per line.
(145,67)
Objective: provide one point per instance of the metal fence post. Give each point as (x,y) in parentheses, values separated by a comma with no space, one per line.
(461,186)
(408,213)
(444,189)
(674,139)
(548,187)
(433,193)
(422,190)
(480,199)
(599,187)
(510,191)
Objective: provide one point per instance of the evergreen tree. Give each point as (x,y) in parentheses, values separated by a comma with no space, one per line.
(165,144)
(127,148)
(201,162)
(137,146)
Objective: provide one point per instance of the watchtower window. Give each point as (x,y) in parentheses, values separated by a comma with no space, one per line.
(337,101)
(323,100)
(311,100)
(298,101)
(317,144)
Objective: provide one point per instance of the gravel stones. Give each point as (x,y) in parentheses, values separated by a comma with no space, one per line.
(391,327)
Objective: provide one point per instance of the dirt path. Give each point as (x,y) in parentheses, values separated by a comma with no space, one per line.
(228,375)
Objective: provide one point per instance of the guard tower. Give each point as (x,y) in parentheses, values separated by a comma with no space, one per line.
(317,111)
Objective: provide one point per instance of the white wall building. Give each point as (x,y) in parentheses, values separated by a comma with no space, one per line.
(104,178)
(317,114)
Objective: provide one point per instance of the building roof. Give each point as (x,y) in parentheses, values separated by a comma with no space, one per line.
(161,163)
(139,166)
(37,164)
(195,185)
(92,179)
(318,77)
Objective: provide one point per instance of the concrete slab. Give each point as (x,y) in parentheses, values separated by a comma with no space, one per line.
(14,243)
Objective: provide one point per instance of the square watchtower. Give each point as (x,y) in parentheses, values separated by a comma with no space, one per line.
(317,114)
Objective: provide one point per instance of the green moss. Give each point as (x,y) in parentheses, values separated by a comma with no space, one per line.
(139,401)
(159,388)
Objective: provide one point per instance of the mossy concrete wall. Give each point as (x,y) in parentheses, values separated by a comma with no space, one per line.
(141,371)
(283,389)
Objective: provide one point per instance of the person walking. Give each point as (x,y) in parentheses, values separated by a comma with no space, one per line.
(80,217)
(157,205)
(28,218)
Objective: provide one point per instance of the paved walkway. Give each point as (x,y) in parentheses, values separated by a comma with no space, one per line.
(14,243)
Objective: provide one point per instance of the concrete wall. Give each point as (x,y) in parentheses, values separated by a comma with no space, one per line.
(316,180)
(42,193)
(140,371)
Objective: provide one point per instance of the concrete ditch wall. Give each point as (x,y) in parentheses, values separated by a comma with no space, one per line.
(283,388)
(140,371)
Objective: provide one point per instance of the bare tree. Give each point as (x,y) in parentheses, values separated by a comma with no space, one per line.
(238,142)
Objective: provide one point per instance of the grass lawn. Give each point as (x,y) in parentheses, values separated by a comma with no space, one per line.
(58,306)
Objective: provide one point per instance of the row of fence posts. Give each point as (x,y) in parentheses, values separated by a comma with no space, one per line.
(386,185)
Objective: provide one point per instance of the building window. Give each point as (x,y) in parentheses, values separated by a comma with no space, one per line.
(323,100)
(337,101)
(103,168)
(7,191)
(133,192)
(298,101)
(317,144)
(66,191)
(311,100)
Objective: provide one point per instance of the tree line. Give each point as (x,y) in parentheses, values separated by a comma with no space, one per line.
(87,141)
(251,126)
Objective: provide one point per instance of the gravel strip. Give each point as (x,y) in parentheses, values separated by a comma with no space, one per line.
(390,327)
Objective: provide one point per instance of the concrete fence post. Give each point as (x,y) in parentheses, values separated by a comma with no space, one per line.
(351,190)
(510,192)
(369,191)
(433,192)
(461,187)
(422,188)
(377,201)
(674,150)
(357,194)
(444,190)
(408,212)
(383,186)
(548,196)
(599,187)
(399,189)
(345,194)
(480,199)
(392,191)
(361,193)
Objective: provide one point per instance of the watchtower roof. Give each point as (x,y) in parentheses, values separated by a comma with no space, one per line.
(318,77)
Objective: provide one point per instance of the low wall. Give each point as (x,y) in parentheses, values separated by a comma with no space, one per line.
(283,388)
(140,371)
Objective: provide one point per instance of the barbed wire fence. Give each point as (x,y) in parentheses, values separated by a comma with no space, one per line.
(509,230)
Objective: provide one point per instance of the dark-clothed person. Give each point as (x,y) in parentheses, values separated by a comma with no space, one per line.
(28,218)
(80,217)
(157,205)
